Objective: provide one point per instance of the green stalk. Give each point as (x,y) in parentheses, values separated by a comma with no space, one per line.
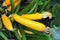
(36,9)
(16,35)
(32,8)
(3,36)
(12,5)
(45,4)
(16,32)
(27,8)
(17,9)
(22,32)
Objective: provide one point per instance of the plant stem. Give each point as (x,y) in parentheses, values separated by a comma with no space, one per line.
(12,5)
(3,36)
(17,9)
(44,6)
(22,32)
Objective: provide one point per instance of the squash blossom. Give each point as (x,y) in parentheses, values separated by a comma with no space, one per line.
(7,3)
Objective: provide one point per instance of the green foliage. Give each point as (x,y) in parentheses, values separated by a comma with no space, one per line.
(17,9)
(0,24)
(55,33)
(37,37)
(3,36)
(56,14)
(12,5)
(45,5)
(31,8)
(22,32)
(27,8)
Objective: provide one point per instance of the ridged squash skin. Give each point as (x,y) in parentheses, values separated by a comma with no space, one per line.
(7,23)
(36,16)
(29,23)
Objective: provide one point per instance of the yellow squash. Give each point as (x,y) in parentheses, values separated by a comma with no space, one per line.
(19,33)
(37,16)
(28,32)
(7,23)
(29,23)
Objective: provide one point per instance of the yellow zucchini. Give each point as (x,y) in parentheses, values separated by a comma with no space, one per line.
(28,32)
(29,23)
(37,16)
(19,33)
(7,23)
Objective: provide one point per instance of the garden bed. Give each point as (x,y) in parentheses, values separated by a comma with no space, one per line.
(30,7)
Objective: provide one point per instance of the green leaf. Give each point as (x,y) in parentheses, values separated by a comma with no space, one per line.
(17,9)
(7,33)
(34,8)
(16,32)
(17,35)
(56,14)
(22,32)
(3,36)
(45,5)
(27,8)
(57,29)
(55,33)
(40,2)
(51,37)
(31,11)
(37,37)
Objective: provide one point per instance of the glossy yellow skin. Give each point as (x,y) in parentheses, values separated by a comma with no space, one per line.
(29,23)
(7,3)
(19,33)
(36,16)
(7,23)
(28,32)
